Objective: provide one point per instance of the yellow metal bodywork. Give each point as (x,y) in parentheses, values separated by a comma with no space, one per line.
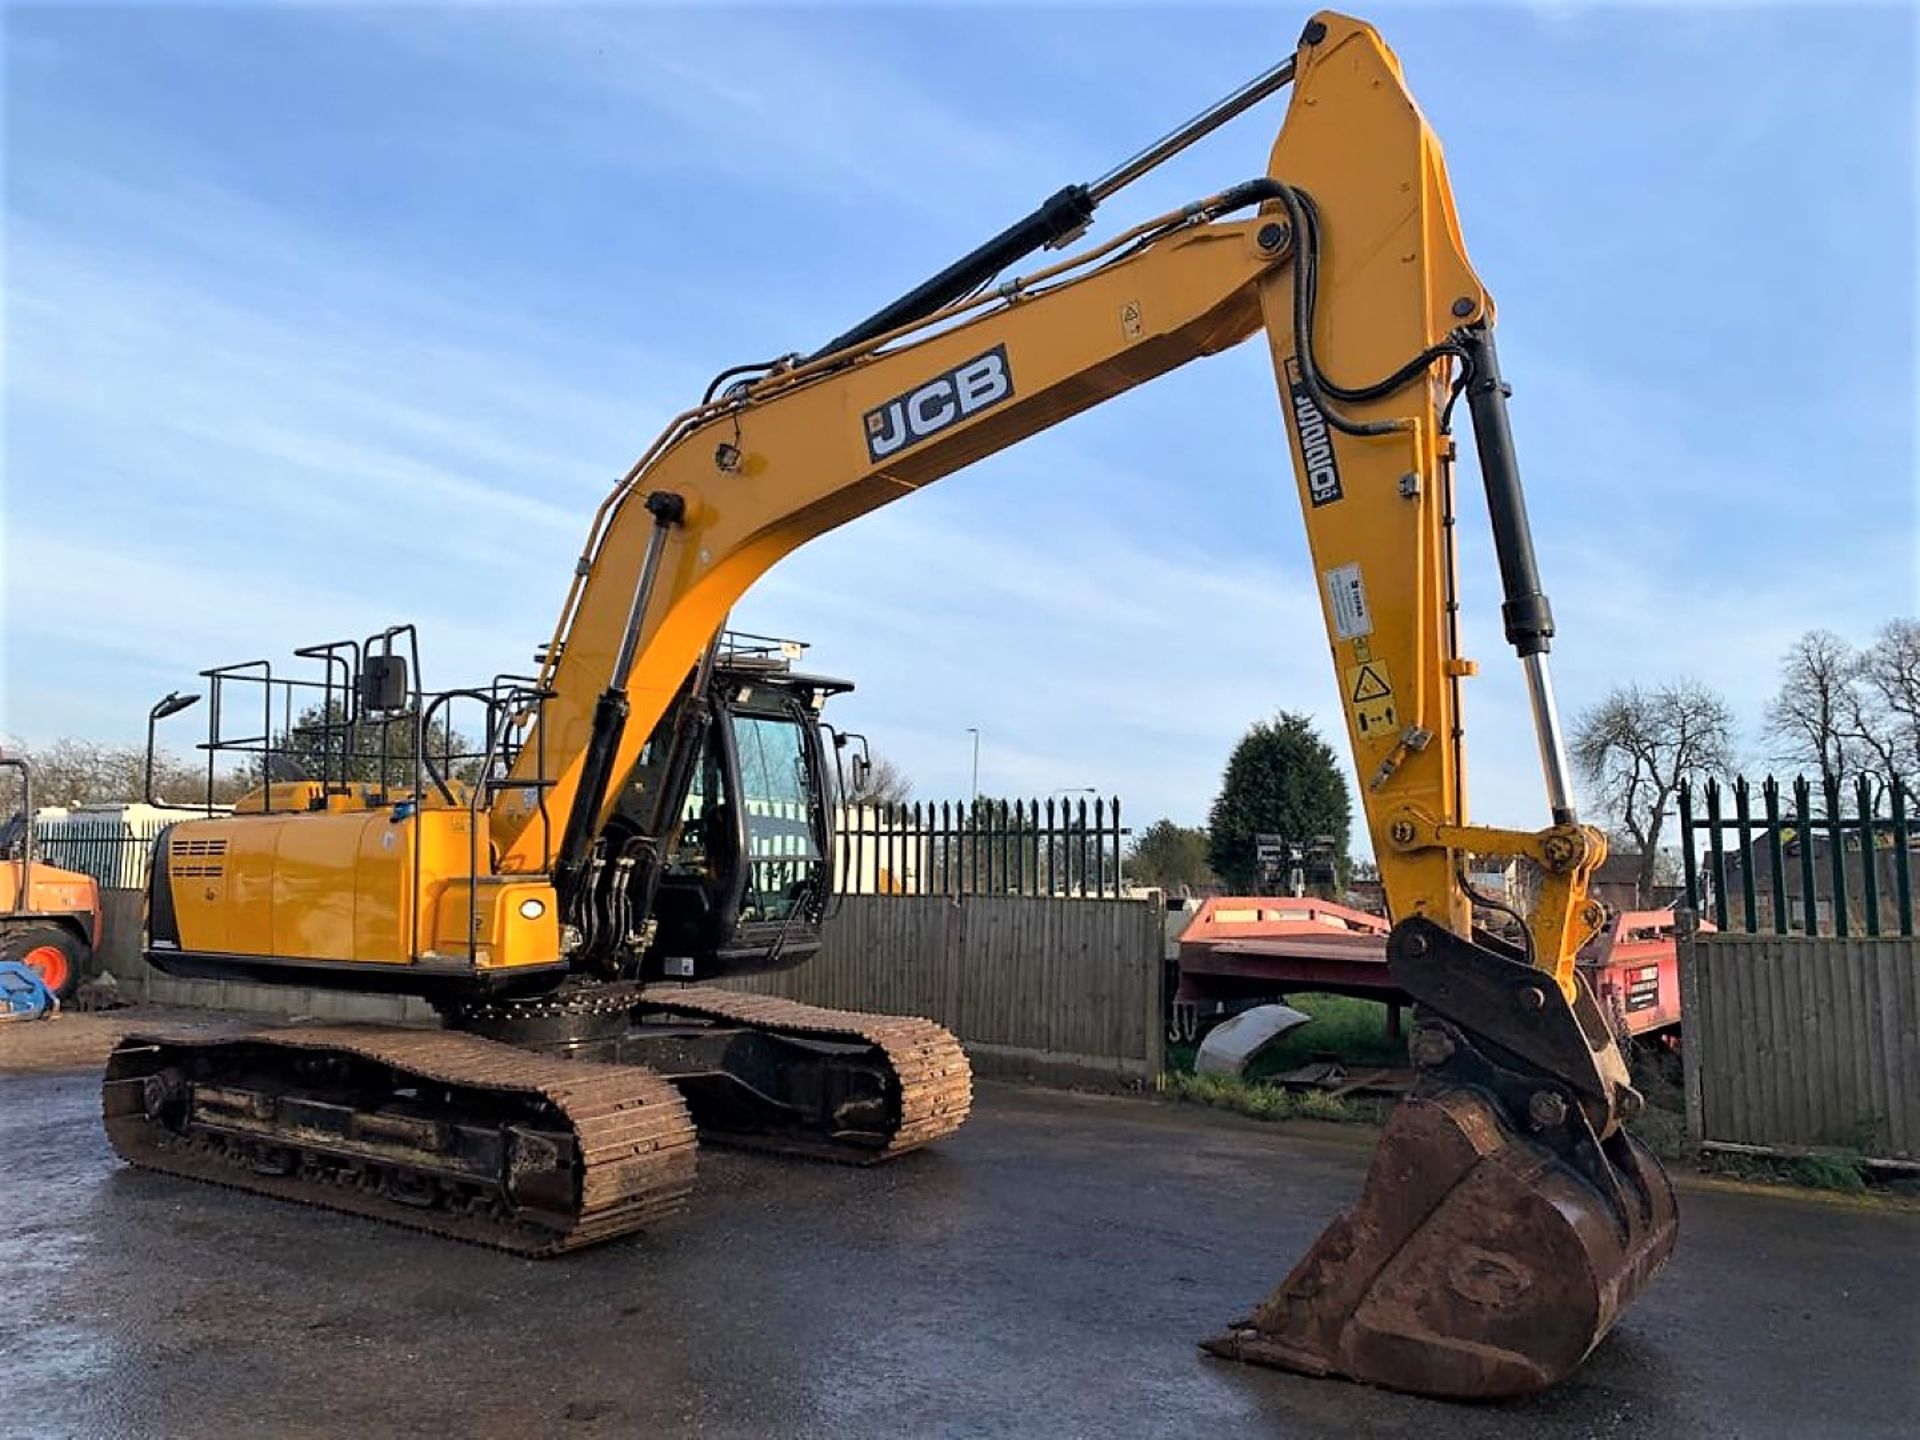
(764,470)
(1509,1216)
(283,796)
(349,886)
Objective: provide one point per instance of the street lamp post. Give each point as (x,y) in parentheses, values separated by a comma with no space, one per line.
(172,703)
(974,731)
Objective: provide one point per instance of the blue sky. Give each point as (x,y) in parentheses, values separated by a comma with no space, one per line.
(318,318)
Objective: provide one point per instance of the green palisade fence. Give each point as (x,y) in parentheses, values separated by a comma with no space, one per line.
(1836,860)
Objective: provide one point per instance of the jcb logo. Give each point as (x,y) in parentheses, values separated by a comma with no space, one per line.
(947,399)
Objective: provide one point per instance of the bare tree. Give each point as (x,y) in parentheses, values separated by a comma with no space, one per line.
(883,784)
(1636,746)
(1811,717)
(73,771)
(1841,711)
(1885,711)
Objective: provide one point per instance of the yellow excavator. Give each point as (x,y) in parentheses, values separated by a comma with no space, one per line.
(647,811)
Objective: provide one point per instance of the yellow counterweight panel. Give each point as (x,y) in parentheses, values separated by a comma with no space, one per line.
(383,856)
(384,852)
(243,924)
(196,880)
(319,875)
(273,884)
(339,886)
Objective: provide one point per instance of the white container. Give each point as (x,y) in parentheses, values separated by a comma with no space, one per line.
(111,842)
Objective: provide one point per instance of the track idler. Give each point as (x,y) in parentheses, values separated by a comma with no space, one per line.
(1508,1218)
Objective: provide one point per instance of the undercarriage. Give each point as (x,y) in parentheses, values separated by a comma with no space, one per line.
(549,1124)
(757,1070)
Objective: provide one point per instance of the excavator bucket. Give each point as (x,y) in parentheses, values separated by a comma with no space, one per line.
(1507,1220)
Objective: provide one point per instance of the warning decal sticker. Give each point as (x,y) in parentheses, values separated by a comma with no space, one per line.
(1369,685)
(1369,692)
(1347,602)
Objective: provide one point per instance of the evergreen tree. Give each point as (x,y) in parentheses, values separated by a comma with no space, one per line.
(1283,780)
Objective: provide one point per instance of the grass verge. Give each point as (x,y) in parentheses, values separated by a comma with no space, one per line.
(1351,1031)
(1343,1028)
(1812,1172)
(1271,1102)
(1355,1032)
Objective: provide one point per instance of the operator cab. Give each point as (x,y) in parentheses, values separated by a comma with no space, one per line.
(746,869)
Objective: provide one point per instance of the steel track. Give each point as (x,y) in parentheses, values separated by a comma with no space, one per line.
(632,1163)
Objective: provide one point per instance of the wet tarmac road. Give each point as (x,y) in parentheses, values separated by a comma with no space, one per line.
(1043,1273)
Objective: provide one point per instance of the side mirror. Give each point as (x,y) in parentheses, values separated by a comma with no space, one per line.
(383,684)
(835,743)
(862,766)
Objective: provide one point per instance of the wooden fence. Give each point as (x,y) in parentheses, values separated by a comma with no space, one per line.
(1798,1045)
(1060,991)
(1064,991)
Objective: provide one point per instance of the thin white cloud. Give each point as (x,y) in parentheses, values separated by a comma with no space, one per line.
(1085,657)
(178,615)
(330,414)
(813,104)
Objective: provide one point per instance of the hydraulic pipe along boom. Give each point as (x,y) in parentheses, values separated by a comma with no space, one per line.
(1203,124)
(1060,218)
(1510,1215)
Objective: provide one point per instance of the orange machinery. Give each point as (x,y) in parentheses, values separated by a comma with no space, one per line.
(49,917)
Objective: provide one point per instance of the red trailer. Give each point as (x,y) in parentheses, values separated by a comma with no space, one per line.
(1241,950)
(1633,966)
(1247,950)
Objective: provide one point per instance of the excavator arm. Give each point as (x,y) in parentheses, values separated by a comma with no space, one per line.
(1509,1217)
